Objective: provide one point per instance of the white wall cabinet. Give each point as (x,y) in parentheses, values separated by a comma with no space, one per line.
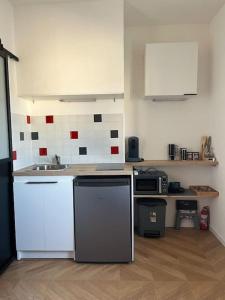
(73,48)
(44,213)
(171,70)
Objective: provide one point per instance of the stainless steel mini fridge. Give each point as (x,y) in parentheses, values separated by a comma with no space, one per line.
(103,231)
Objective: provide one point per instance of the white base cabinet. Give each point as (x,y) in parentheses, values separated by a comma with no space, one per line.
(44,216)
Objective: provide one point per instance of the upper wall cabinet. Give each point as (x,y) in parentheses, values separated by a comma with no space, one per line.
(171,70)
(70,48)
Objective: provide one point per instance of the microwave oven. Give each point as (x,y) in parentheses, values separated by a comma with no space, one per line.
(150,182)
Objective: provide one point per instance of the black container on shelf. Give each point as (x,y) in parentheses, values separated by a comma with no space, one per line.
(183,153)
(172,151)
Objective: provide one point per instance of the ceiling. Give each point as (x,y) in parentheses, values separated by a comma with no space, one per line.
(159,12)
(165,12)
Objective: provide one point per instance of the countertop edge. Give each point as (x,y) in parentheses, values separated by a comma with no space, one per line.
(75,170)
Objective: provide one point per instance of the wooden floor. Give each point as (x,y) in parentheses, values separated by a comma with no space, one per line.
(187,264)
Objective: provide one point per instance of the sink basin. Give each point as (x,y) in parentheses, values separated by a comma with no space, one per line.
(50,167)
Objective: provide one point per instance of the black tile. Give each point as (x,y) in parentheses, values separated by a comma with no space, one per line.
(114,134)
(82,150)
(34,136)
(21,136)
(98,118)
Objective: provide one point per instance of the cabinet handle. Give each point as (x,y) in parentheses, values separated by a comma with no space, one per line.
(41,182)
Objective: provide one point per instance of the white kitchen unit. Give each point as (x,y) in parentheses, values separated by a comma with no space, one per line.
(171,70)
(44,216)
(73,48)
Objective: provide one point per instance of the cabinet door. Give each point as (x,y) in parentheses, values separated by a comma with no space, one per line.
(44,214)
(90,51)
(59,224)
(171,69)
(29,216)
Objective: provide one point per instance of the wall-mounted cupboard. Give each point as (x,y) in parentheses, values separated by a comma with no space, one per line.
(171,70)
(71,48)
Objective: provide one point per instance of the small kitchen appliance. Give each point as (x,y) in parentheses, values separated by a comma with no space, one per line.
(133,150)
(150,181)
(103,219)
(175,188)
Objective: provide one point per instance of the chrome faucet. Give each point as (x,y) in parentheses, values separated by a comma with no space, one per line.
(57,159)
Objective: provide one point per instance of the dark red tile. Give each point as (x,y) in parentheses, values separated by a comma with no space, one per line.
(114,150)
(43,151)
(14,155)
(74,135)
(49,119)
(28,119)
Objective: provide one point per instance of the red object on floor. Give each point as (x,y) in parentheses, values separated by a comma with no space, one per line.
(14,155)
(204,218)
(43,151)
(49,119)
(114,150)
(74,135)
(28,120)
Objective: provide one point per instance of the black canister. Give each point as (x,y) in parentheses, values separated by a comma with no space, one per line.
(183,153)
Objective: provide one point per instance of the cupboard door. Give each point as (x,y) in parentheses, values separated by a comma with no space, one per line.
(29,216)
(87,45)
(171,69)
(59,224)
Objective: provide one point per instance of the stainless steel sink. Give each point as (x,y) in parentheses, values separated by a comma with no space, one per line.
(50,167)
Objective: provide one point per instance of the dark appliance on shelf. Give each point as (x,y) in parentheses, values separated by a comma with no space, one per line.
(133,150)
(150,181)
(103,222)
(175,188)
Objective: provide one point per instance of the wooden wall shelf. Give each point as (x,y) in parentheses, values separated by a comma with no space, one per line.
(175,163)
(187,195)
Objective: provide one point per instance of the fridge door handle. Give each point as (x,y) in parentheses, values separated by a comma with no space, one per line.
(41,182)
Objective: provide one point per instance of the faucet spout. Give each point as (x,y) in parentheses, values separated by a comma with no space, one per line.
(57,159)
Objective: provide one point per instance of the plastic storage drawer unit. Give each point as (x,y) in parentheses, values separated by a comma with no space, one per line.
(151,217)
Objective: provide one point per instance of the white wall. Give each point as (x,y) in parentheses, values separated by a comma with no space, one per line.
(7,35)
(8,39)
(217,117)
(7,25)
(158,124)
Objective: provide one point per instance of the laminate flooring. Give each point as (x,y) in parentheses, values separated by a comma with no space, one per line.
(185,264)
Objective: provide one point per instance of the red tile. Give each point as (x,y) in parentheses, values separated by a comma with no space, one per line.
(28,120)
(43,151)
(49,119)
(74,135)
(14,155)
(114,150)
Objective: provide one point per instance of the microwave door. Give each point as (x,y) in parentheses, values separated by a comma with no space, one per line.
(147,186)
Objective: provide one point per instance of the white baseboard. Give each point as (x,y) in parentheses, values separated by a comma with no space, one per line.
(217,235)
(44,254)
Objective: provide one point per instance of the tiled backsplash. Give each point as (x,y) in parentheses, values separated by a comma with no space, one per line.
(22,146)
(92,138)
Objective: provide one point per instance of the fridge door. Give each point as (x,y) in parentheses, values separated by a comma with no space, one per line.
(7,243)
(102,219)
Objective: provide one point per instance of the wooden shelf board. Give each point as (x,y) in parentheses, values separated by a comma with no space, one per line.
(175,163)
(187,195)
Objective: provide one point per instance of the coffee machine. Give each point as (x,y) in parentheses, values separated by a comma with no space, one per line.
(133,150)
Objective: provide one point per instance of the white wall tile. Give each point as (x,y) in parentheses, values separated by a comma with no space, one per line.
(56,138)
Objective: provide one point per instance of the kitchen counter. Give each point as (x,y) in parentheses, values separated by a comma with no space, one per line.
(75,170)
